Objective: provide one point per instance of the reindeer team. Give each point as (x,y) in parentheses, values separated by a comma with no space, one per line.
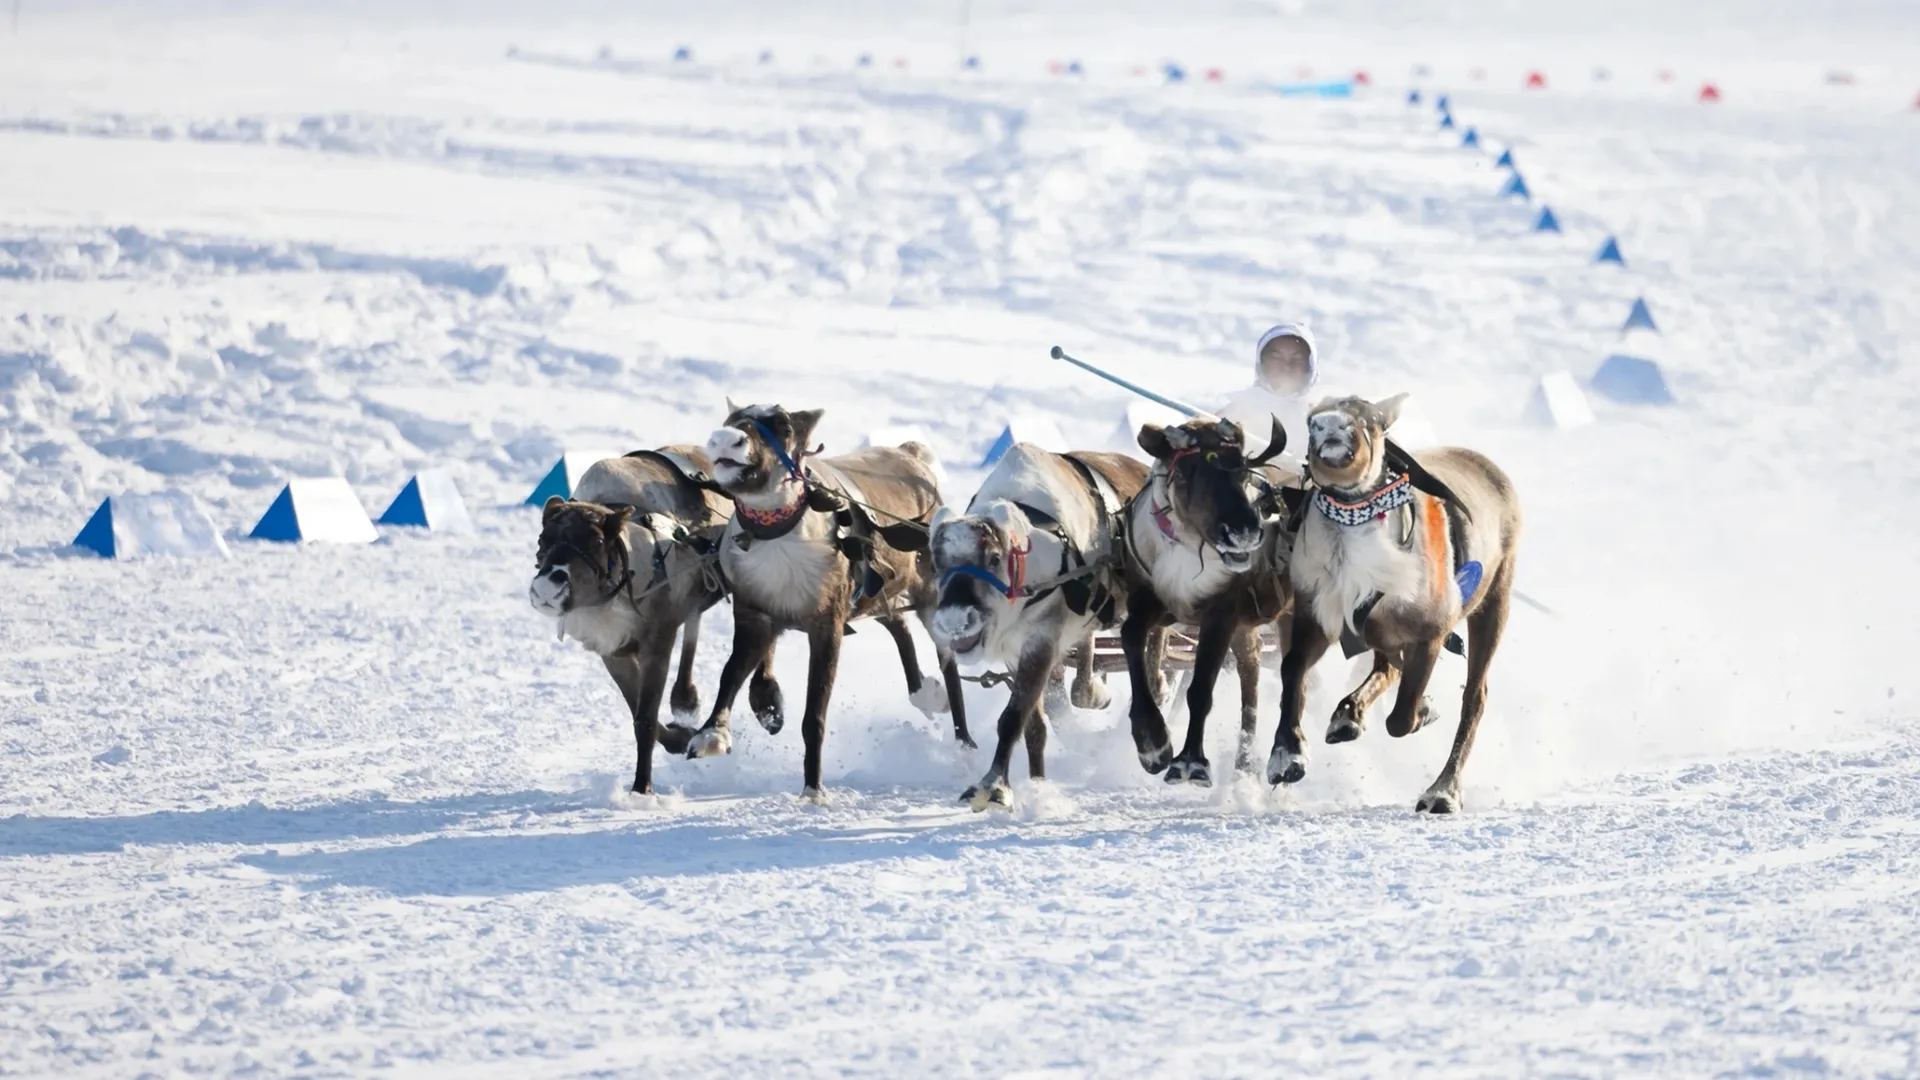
(1359,542)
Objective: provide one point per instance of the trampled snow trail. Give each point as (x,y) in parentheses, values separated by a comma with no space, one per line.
(327,810)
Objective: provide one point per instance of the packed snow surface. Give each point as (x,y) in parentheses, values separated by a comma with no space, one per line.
(327,810)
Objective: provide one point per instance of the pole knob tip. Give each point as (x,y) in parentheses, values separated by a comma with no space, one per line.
(1058,352)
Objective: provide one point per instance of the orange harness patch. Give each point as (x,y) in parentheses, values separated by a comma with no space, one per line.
(1433,523)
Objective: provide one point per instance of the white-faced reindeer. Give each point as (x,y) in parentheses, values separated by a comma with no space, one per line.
(1026,574)
(814,543)
(1207,546)
(646,508)
(1395,550)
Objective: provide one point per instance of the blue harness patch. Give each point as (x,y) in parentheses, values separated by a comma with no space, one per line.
(995,583)
(1469,580)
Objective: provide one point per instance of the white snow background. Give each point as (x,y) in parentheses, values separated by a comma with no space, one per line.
(333,811)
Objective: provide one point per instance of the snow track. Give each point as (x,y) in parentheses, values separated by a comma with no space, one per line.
(328,811)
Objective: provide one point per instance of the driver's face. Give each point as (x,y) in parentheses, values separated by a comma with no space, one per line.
(1283,365)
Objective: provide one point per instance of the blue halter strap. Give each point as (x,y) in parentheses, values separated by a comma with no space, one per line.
(979,574)
(779,451)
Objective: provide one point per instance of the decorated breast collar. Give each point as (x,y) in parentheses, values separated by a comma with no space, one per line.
(1372,508)
(778,522)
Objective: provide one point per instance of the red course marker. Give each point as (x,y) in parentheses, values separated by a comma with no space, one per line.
(1665,75)
(1361,78)
(1709,93)
(1479,74)
(1215,75)
(1536,81)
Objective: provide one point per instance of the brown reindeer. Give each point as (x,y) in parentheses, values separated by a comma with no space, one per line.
(813,544)
(622,567)
(1207,547)
(1029,572)
(1394,550)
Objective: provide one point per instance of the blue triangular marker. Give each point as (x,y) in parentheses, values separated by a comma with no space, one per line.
(972,64)
(1471,139)
(1074,68)
(1413,97)
(1440,103)
(1516,185)
(1610,252)
(554,483)
(866,60)
(766,56)
(407,507)
(1469,580)
(279,522)
(97,535)
(1174,72)
(1505,160)
(999,448)
(683,54)
(1640,318)
(1546,222)
(1446,121)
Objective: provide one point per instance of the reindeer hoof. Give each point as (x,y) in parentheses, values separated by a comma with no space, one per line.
(1091,695)
(965,740)
(1156,760)
(1439,801)
(710,742)
(1285,768)
(769,706)
(814,796)
(1347,723)
(685,702)
(1185,770)
(931,698)
(988,796)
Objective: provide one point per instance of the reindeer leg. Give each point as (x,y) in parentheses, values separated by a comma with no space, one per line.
(1157,664)
(926,695)
(957,701)
(642,682)
(1484,628)
(1037,741)
(1150,739)
(763,694)
(1089,690)
(1350,716)
(1209,655)
(686,696)
(1411,709)
(752,643)
(1016,720)
(1288,762)
(823,664)
(1246,660)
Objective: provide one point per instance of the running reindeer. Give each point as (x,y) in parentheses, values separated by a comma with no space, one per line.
(653,502)
(1026,574)
(814,543)
(1394,552)
(1208,549)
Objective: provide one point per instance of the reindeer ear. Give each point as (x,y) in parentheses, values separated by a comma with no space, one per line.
(1153,439)
(731,407)
(941,516)
(552,509)
(1009,518)
(804,422)
(1390,409)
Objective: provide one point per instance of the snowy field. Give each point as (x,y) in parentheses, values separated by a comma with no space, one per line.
(333,811)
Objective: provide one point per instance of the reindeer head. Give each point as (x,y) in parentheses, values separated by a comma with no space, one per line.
(583,559)
(978,562)
(1347,441)
(758,449)
(1214,491)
